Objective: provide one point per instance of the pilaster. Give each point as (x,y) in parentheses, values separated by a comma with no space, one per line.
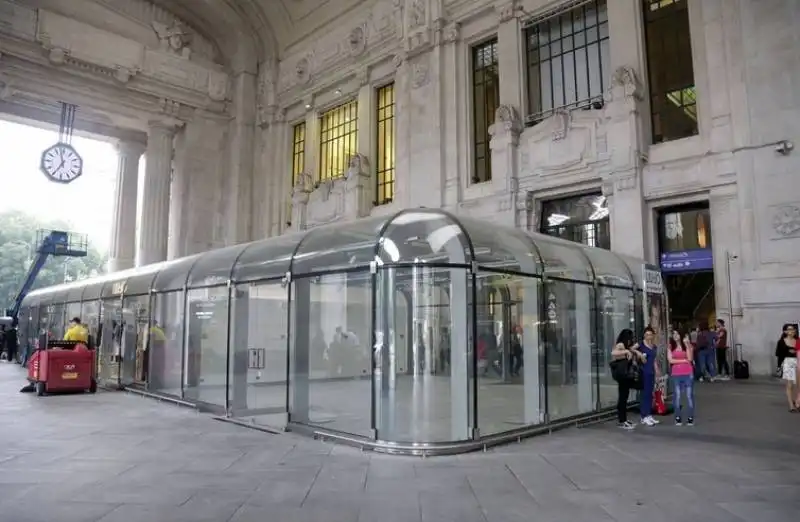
(122,249)
(240,178)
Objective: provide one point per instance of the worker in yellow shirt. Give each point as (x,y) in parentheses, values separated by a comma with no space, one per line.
(77,332)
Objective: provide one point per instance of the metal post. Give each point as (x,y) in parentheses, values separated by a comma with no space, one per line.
(731,340)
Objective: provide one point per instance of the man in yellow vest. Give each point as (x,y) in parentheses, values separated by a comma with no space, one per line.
(77,332)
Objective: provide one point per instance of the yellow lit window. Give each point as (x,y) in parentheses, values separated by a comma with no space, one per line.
(298,151)
(384,181)
(338,138)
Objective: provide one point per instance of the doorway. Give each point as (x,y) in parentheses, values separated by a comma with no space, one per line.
(687,263)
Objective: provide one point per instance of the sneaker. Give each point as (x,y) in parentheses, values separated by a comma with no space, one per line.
(678,421)
(654,420)
(648,421)
(690,421)
(626,425)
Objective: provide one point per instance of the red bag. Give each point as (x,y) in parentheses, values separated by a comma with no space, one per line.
(659,406)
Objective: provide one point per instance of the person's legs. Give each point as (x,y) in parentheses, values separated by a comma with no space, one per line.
(677,386)
(646,401)
(623,391)
(688,388)
(707,362)
(722,361)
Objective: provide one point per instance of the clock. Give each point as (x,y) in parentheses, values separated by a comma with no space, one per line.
(61,163)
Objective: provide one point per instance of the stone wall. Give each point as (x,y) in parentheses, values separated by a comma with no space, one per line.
(745,60)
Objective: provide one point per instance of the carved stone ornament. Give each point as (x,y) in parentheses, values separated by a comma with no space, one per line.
(786,221)
(174,38)
(304,184)
(561,120)
(420,74)
(626,79)
(6,89)
(451,32)
(357,41)
(507,11)
(398,59)
(358,166)
(57,56)
(506,119)
(302,71)
(417,14)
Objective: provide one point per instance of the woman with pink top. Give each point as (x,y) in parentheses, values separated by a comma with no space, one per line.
(680,359)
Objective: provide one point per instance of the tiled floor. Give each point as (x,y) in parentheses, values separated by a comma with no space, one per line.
(119,457)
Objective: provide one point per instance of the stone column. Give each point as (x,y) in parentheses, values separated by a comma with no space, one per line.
(239,184)
(122,249)
(153,235)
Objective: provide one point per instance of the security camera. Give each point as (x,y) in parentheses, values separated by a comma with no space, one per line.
(784,147)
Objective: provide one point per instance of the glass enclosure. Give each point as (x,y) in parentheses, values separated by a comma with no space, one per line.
(416,332)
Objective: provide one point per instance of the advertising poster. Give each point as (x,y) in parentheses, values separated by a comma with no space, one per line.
(655,309)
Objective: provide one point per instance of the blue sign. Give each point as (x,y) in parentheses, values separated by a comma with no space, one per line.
(687,261)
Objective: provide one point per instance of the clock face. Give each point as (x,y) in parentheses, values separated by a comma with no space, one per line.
(61,163)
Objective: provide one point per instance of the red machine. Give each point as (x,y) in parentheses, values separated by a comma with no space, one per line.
(63,366)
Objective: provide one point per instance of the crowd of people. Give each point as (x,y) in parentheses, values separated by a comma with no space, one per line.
(700,355)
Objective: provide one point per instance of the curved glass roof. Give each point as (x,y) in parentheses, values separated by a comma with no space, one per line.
(412,236)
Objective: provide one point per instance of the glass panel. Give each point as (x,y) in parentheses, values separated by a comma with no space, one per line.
(424,237)
(562,259)
(501,248)
(337,247)
(259,328)
(267,259)
(582,219)
(110,351)
(141,280)
(206,345)
(74,291)
(114,284)
(330,359)
(616,309)
(421,381)
(135,316)
(90,316)
(56,322)
(567,335)
(214,267)
(174,275)
(485,99)
(636,266)
(72,311)
(93,289)
(508,336)
(166,344)
(608,268)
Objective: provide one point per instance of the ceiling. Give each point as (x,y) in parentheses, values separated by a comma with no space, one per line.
(269,27)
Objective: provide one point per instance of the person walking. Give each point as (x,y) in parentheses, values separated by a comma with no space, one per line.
(706,354)
(680,360)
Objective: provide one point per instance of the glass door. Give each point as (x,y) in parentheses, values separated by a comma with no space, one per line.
(110,346)
(135,312)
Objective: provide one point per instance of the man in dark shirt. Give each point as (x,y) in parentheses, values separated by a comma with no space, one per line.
(723,369)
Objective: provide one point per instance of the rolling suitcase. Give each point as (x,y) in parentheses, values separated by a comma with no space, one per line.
(741,368)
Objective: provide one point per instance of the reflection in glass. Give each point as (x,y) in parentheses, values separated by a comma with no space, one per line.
(582,219)
(135,315)
(166,344)
(616,309)
(108,356)
(330,359)
(420,357)
(688,229)
(259,318)
(508,352)
(569,346)
(206,345)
